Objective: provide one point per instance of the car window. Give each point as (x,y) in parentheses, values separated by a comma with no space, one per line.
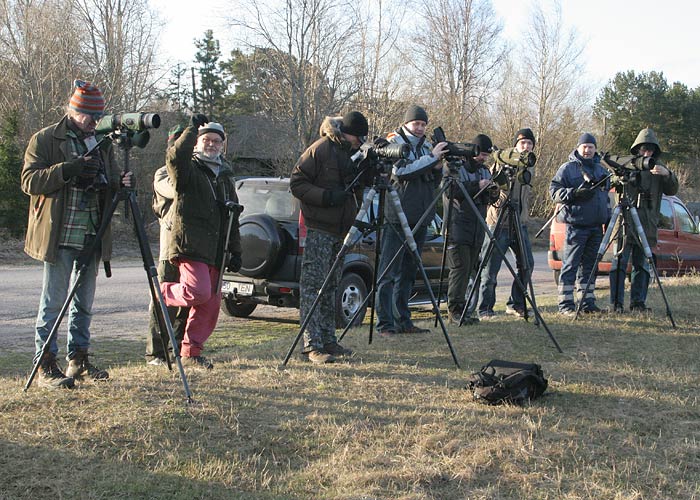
(273,199)
(685,220)
(666,215)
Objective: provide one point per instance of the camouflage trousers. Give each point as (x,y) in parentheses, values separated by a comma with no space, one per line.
(319,255)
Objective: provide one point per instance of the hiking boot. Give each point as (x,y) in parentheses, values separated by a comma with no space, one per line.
(618,308)
(319,357)
(197,362)
(515,311)
(486,315)
(415,329)
(335,349)
(455,316)
(386,333)
(470,320)
(156,361)
(51,376)
(80,367)
(594,309)
(639,307)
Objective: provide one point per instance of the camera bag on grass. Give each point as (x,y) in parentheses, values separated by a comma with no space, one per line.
(507,382)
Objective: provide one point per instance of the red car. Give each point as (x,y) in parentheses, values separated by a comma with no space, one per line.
(676,252)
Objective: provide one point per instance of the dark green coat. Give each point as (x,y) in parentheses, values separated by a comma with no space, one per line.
(42,179)
(199,219)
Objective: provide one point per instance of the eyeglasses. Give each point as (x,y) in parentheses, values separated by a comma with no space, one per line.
(216,142)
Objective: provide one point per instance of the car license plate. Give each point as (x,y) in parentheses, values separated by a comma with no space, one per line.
(237,288)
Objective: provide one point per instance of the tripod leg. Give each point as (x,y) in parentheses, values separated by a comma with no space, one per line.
(604,244)
(650,259)
(83,263)
(516,279)
(449,184)
(154,285)
(413,247)
(350,239)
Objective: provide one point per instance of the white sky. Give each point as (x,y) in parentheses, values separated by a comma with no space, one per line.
(618,35)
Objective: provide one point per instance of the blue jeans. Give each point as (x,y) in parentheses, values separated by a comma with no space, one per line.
(580,250)
(641,273)
(394,289)
(490,272)
(58,277)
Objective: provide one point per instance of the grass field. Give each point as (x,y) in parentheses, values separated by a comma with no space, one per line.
(620,419)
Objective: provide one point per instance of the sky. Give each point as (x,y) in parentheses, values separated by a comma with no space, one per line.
(617,35)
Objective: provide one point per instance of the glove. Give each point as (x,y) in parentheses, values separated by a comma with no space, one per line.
(380,142)
(583,194)
(81,167)
(198,119)
(234,263)
(334,197)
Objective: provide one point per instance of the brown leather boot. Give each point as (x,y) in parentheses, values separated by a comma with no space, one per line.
(50,374)
(79,367)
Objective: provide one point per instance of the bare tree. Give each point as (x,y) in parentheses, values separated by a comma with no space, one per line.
(312,41)
(123,36)
(39,57)
(552,97)
(460,54)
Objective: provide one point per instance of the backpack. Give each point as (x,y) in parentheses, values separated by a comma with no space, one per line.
(507,382)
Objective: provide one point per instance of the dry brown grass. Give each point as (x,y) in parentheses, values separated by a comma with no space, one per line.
(620,419)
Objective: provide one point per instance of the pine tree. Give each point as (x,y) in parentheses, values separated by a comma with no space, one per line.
(13,203)
(212,89)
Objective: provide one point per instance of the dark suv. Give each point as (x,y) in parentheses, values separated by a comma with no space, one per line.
(273,236)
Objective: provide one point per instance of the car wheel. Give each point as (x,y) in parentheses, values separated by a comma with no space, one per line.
(351,295)
(556,272)
(232,307)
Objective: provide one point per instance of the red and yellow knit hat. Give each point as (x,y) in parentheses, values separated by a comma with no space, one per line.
(87,99)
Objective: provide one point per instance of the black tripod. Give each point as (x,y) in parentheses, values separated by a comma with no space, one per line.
(511,210)
(128,195)
(625,206)
(361,227)
(451,182)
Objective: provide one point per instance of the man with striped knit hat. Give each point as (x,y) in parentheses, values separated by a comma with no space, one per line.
(71,182)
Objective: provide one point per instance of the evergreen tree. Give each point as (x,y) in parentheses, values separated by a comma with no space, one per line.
(13,203)
(212,89)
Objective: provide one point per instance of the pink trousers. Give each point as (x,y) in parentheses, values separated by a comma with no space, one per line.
(196,291)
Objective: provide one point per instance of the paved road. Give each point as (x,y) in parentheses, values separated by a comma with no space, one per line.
(121,301)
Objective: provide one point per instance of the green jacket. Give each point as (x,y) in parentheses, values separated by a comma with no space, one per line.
(199,220)
(42,179)
(646,190)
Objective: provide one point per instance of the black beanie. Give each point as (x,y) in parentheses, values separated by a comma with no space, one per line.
(524,133)
(484,143)
(586,138)
(354,123)
(415,113)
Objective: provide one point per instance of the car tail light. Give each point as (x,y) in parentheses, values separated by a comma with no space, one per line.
(302,234)
(285,289)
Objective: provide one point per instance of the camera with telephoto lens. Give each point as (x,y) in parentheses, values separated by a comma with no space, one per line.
(455,149)
(381,154)
(513,164)
(624,165)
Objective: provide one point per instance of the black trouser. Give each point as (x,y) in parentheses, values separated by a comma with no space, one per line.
(178,316)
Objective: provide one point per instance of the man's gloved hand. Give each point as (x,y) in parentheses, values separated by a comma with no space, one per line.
(334,197)
(380,142)
(198,119)
(234,262)
(583,194)
(83,166)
